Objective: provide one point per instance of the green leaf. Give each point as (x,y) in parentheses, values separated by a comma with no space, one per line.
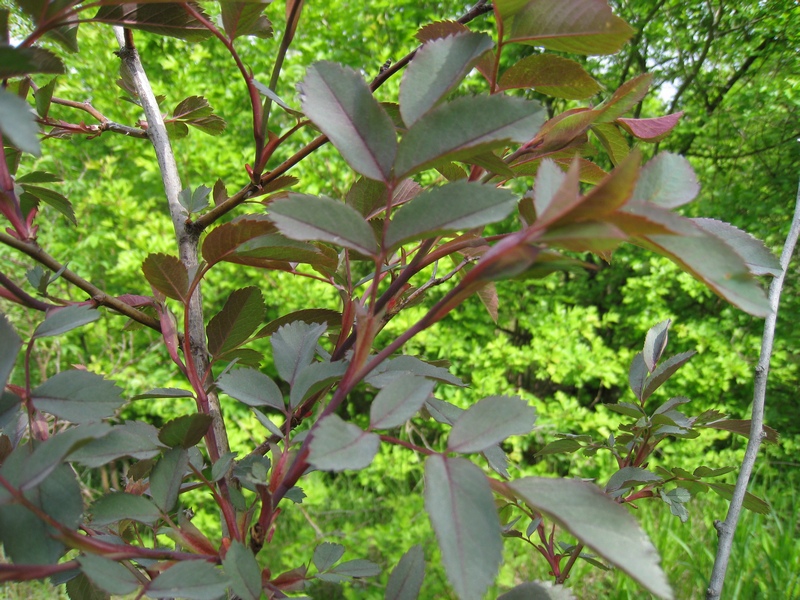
(437,68)
(664,371)
(185,431)
(577,26)
(18,62)
(163,18)
(751,502)
(18,123)
(108,575)
(707,472)
(39,177)
(356,568)
(339,446)
(531,590)
(54,199)
(118,506)
(242,314)
(757,257)
(8,349)
(655,343)
(326,555)
(399,401)
(628,95)
(466,127)
(244,572)
(81,587)
(552,75)
(598,522)
(166,478)
(222,466)
(462,511)
(252,387)
(453,207)
(191,579)
(313,378)
(78,396)
(742,427)
(293,348)
(612,140)
(194,201)
(164,393)
(667,180)
(245,18)
(629,477)
(303,217)
(168,275)
(559,447)
(490,421)
(135,439)
(405,582)
(65,319)
(339,102)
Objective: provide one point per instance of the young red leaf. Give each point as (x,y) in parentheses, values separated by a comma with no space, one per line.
(628,95)
(168,275)
(651,130)
(167,18)
(245,18)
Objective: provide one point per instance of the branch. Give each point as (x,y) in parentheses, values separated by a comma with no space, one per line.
(727,529)
(98,295)
(22,297)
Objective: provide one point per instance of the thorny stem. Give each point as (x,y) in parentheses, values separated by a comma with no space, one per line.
(726,529)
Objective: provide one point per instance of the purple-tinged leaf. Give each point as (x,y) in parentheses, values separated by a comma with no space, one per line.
(437,68)
(497,459)
(599,523)
(78,396)
(489,422)
(655,343)
(165,18)
(637,375)
(18,123)
(108,575)
(548,183)
(667,180)
(629,477)
(303,217)
(194,200)
(405,581)
(185,431)
(65,319)
(464,128)
(612,141)
(453,207)
(628,95)
(166,478)
(401,366)
(164,393)
(339,102)
(399,401)
(8,349)
(627,409)
(551,75)
(589,236)
(191,579)
(331,318)
(442,29)
(356,568)
(168,275)
(651,130)
(664,371)
(245,18)
(757,257)
(242,314)
(313,378)
(18,62)
(134,439)
(537,590)
(742,427)
(560,447)
(576,26)
(243,570)
(340,446)
(252,387)
(566,131)
(326,555)
(462,511)
(293,348)
(193,107)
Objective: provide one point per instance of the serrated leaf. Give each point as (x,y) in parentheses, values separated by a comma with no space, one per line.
(339,102)
(437,68)
(313,378)
(655,343)
(303,217)
(552,75)
(168,275)
(651,130)
(245,18)
(8,349)
(81,587)
(244,572)
(326,555)
(464,128)
(191,579)
(18,123)
(18,62)
(399,401)
(252,387)
(340,446)
(461,509)
(194,201)
(742,427)
(166,478)
(490,421)
(108,575)
(293,348)
(164,18)
(757,257)
(667,180)
(576,26)
(185,431)
(405,581)
(135,439)
(453,207)
(66,319)
(39,177)
(118,506)
(629,477)
(54,199)
(598,522)
(78,396)
(212,124)
(560,446)
(242,314)
(664,371)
